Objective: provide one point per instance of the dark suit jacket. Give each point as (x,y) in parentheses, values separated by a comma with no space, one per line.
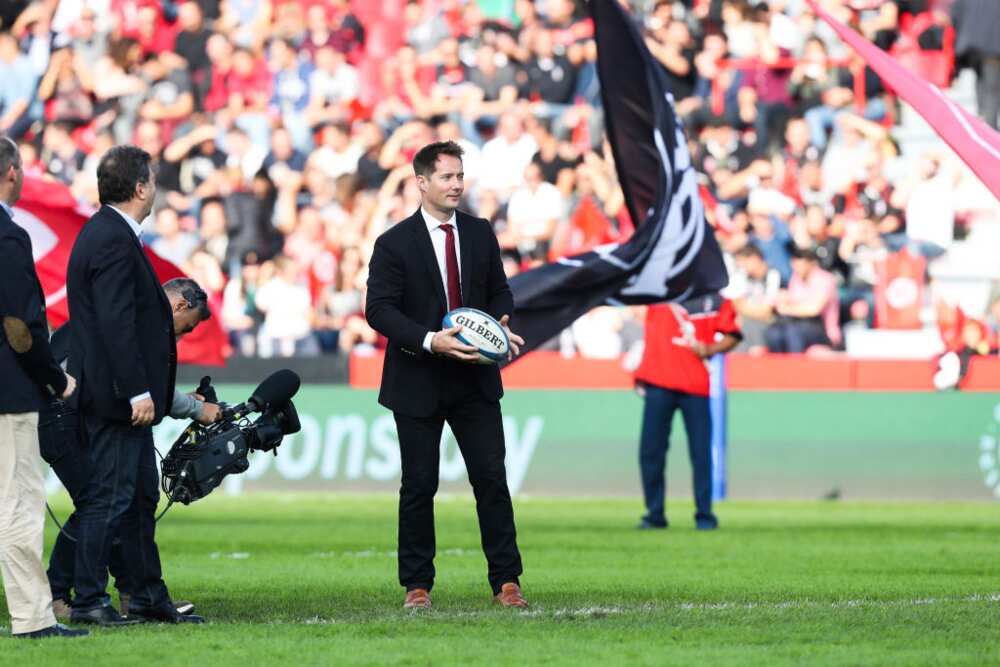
(406,299)
(122,340)
(28,373)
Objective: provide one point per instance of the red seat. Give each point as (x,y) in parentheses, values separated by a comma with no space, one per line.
(934,66)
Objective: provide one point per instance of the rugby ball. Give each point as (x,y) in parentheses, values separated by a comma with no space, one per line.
(481,332)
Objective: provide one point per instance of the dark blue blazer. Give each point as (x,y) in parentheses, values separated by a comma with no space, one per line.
(28,373)
(122,340)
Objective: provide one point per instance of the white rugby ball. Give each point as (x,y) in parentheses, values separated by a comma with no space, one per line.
(480,331)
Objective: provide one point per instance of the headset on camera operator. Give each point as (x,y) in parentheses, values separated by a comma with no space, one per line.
(62,446)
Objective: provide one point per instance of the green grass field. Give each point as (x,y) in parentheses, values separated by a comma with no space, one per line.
(311,580)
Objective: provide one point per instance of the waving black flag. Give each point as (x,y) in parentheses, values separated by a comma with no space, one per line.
(673,255)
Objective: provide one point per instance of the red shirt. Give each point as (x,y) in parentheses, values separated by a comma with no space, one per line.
(668,360)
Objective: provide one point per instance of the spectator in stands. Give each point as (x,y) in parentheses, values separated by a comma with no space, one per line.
(170,97)
(212,231)
(67,89)
(248,89)
(493,90)
(319,35)
(283,157)
(815,233)
(333,85)
(557,159)
(550,80)
(508,154)
(976,45)
(63,160)
(287,309)
(249,216)
(533,211)
(753,290)
(242,155)
(862,249)
(371,138)
(90,39)
(807,310)
(240,316)
(928,197)
(18,89)
(771,236)
(671,43)
(291,90)
(191,50)
(337,154)
(172,242)
(197,159)
(339,322)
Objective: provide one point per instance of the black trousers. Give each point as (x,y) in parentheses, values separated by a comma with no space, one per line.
(119,499)
(988,89)
(64,448)
(795,334)
(478,428)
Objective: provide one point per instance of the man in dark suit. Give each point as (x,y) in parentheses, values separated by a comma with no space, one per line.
(435,261)
(29,375)
(123,350)
(64,448)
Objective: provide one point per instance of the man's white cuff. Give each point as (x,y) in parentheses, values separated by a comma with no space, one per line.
(427,341)
(140,397)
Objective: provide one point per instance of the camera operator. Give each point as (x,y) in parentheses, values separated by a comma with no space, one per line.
(63,448)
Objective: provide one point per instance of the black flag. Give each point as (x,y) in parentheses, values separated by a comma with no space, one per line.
(673,254)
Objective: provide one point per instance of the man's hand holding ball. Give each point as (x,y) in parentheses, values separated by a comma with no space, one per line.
(513,339)
(471,335)
(446,343)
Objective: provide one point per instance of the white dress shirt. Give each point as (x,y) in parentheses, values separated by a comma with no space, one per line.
(137,230)
(438,240)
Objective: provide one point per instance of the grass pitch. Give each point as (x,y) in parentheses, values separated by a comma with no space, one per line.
(311,580)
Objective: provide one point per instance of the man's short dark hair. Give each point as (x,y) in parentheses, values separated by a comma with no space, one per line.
(192,293)
(427,157)
(750,250)
(120,171)
(10,155)
(808,254)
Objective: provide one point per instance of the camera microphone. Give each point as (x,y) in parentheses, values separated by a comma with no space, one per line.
(275,391)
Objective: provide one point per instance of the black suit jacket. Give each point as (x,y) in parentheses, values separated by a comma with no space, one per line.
(122,340)
(406,299)
(28,373)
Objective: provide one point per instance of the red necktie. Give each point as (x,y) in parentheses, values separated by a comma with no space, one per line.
(451,266)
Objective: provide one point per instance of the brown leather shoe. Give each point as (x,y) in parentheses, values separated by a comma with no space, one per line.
(510,596)
(418,598)
(61,609)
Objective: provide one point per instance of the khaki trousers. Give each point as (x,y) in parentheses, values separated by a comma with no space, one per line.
(22,523)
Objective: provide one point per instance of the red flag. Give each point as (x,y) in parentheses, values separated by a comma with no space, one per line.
(899,291)
(973,140)
(52,217)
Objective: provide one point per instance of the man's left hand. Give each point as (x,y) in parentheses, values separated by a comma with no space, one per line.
(210,414)
(515,341)
(701,349)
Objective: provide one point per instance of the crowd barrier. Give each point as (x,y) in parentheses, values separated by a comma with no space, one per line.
(582,440)
(744,372)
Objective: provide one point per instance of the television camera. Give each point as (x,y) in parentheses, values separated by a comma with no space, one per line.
(203,455)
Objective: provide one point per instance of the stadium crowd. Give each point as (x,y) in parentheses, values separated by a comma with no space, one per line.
(283,142)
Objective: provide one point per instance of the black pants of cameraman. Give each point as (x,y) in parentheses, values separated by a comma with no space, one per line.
(63,447)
